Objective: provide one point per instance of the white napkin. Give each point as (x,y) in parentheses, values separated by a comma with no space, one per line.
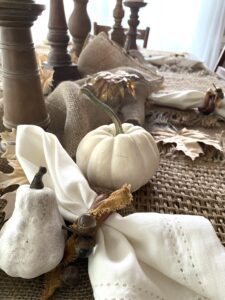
(36,148)
(183,100)
(181,60)
(141,256)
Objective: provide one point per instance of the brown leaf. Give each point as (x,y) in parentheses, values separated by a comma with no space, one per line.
(16,177)
(52,282)
(10,181)
(8,142)
(187,141)
(10,199)
(69,252)
(53,278)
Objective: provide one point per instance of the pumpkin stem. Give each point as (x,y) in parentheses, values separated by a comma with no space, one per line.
(37,181)
(108,110)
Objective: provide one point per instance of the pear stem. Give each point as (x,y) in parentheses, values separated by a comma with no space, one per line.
(37,181)
(108,110)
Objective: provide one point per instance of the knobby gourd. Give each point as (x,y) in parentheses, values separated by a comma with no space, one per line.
(32,241)
(115,154)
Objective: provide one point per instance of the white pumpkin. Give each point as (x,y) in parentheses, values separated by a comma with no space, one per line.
(113,155)
(32,241)
(109,160)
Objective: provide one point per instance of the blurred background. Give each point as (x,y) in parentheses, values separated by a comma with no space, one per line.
(194,26)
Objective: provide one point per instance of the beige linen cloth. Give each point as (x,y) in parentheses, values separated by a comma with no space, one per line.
(142,256)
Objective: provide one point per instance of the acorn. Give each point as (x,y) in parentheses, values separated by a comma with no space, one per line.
(84,246)
(86,225)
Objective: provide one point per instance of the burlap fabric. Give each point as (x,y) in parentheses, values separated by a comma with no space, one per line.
(103,54)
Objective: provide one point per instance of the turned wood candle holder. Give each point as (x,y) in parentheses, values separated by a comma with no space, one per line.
(22,92)
(79,25)
(58,58)
(118,34)
(133,23)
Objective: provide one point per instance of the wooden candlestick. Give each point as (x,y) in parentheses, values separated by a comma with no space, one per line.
(133,23)
(57,35)
(59,58)
(118,34)
(22,93)
(79,25)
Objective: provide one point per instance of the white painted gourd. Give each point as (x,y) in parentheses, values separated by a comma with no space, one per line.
(115,154)
(32,241)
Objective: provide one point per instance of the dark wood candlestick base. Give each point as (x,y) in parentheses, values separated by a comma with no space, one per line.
(64,73)
(22,92)
(133,23)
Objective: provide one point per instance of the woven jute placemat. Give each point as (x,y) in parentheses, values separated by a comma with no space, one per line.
(20,289)
(184,187)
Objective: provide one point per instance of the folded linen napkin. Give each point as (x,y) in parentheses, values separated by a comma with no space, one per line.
(183,100)
(175,60)
(141,256)
(184,60)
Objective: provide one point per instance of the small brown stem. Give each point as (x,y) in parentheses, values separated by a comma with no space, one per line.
(108,110)
(37,181)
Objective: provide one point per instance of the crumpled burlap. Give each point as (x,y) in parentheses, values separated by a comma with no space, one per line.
(102,54)
(73,115)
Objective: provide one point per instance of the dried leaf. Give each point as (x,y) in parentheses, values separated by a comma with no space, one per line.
(187,141)
(46,75)
(16,177)
(69,252)
(8,144)
(9,181)
(2,219)
(53,278)
(107,85)
(8,136)
(10,199)
(117,200)
(52,282)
